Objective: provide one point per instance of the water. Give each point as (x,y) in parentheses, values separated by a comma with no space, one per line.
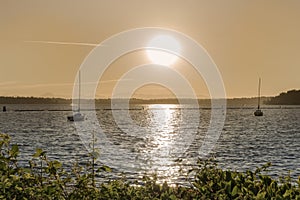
(160,140)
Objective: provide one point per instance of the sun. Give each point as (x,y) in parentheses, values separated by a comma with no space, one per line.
(160,55)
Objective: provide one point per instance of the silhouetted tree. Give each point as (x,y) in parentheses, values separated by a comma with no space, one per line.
(291,97)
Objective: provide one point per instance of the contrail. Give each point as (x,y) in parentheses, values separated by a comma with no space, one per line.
(114,80)
(13,84)
(62,43)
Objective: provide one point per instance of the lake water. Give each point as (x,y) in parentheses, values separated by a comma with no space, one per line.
(160,140)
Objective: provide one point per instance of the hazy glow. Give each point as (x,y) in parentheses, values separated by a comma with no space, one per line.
(161,56)
(244,39)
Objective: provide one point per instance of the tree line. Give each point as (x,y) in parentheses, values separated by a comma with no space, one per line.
(291,97)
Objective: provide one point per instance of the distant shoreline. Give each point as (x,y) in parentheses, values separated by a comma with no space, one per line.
(291,97)
(40,100)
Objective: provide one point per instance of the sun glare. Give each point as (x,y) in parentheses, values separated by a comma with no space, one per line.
(162,45)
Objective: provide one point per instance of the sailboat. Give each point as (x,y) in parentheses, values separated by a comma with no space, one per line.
(258,112)
(77,116)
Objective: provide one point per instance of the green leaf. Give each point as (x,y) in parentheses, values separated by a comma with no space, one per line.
(38,153)
(104,168)
(235,190)
(172,197)
(57,164)
(228,187)
(14,150)
(288,193)
(261,195)
(18,188)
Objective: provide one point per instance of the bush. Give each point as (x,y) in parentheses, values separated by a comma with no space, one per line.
(46,179)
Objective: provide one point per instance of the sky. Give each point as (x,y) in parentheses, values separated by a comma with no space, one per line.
(44,43)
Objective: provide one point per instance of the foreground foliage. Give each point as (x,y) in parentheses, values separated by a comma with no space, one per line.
(46,179)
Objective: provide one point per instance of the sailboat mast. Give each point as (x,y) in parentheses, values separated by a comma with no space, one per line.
(258,99)
(79,88)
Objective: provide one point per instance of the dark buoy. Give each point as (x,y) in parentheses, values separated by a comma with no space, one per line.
(4,108)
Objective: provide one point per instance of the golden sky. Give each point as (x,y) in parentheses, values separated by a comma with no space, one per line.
(245,38)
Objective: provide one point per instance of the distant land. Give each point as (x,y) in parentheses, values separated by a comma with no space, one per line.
(206,102)
(291,97)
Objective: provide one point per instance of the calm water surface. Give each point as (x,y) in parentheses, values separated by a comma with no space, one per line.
(160,140)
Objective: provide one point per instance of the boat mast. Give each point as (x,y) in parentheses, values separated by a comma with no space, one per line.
(258,99)
(79,88)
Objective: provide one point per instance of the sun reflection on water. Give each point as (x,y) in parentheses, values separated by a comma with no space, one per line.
(164,125)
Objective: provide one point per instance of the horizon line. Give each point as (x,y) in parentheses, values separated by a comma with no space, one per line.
(134,98)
